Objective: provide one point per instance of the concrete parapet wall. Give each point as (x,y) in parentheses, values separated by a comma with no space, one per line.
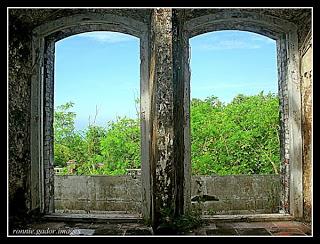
(105,193)
(237,194)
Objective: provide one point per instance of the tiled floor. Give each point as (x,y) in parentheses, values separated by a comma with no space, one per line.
(275,228)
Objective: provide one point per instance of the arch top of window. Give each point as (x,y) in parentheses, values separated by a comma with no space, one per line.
(265,25)
(80,23)
(244,28)
(102,36)
(235,31)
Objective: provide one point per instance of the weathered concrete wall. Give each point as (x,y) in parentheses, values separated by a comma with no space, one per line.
(237,194)
(306,96)
(104,193)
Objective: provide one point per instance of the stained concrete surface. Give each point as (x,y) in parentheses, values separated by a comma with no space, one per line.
(234,194)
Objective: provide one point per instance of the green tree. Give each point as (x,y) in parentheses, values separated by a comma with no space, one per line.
(241,137)
(120,148)
(68,144)
(63,125)
(238,138)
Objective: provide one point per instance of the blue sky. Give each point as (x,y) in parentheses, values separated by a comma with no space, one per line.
(101,70)
(226,63)
(98,70)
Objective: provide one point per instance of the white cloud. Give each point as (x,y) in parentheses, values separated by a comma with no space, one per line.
(229,44)
(263,39)
(227,40)
(108,37)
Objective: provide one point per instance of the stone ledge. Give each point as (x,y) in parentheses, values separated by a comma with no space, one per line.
(97,218)
(248,217)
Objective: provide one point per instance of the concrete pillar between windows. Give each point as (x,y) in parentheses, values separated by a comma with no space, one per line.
(167,117)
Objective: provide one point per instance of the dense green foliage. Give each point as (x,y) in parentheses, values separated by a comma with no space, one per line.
(97,150)
(238,138)
(241,137)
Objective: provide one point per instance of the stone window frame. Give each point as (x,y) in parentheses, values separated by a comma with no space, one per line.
(285,34)
(42,90)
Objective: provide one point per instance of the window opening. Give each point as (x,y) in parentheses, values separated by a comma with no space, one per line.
(235,128)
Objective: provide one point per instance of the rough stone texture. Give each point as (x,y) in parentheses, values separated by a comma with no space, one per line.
(306,93)
(162,131)
(237,194)
(19,116)
(35,17)
(292,15)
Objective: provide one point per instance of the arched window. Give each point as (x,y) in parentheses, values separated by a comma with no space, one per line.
(45,39)
(235,144)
